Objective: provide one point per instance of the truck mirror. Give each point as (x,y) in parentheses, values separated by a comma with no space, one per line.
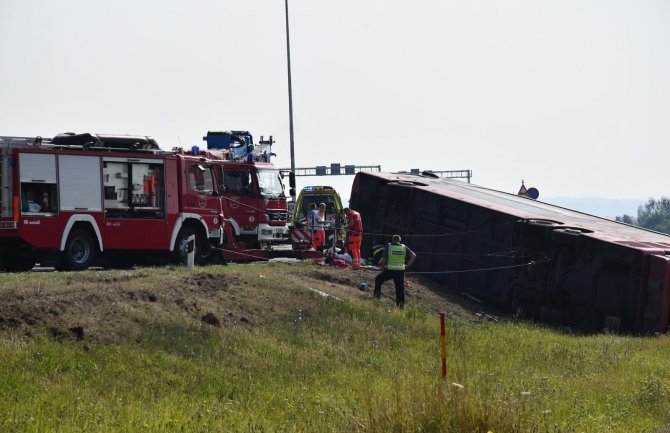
(291,182)
(292,192)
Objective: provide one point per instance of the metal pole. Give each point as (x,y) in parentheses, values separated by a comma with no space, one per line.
(290,94)
(443,349)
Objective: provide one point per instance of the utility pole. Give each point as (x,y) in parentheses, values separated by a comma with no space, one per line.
(290,96)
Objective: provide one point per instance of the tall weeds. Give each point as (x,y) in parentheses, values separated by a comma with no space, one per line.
(327,365)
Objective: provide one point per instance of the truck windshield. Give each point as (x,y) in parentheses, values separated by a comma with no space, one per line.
(270,183)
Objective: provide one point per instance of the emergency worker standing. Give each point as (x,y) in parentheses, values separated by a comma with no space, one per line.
(311,221)
(317,220)
(354,236)
(393,262)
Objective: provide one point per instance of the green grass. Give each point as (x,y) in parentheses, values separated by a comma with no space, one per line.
(330,366)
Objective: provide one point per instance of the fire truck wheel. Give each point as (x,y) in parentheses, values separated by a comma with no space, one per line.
(180,247)
(80,251)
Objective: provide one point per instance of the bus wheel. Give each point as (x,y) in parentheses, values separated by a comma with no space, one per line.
(80,251)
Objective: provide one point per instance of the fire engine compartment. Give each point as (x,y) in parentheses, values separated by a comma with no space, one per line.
(133,189)
(124,188)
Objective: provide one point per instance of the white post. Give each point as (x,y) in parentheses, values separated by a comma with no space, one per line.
(190,252)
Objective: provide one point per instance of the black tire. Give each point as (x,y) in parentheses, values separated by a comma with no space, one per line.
(80,251)
(180,245)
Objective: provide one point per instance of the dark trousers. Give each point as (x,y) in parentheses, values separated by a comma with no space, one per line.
(398,278)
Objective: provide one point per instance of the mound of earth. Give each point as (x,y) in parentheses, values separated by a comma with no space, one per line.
(117,305)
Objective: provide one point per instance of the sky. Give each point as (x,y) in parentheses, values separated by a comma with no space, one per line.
(573,97)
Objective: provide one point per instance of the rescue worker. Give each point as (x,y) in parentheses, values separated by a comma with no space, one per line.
(393,263)
(354,236)
(311,222)
(316,220)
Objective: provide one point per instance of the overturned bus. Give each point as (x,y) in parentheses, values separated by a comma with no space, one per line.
(553,264)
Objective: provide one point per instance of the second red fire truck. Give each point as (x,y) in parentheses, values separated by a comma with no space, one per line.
(252,187)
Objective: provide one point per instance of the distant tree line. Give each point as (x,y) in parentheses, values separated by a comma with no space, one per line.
(652,215)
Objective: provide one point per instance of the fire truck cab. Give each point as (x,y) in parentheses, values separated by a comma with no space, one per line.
(80,199)
(252,187)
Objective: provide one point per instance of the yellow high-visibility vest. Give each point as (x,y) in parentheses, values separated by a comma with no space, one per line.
(395,260)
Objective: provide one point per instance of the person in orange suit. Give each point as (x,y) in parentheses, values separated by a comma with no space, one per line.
(354,236)
(316,220)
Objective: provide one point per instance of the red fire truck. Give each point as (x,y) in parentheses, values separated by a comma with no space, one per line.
(252,187)
(78,199)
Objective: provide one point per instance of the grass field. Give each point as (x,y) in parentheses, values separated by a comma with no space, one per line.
(310,363)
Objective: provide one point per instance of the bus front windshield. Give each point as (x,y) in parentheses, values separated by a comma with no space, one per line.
(270,184)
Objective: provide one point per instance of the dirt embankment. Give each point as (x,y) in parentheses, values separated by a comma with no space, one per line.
(114,305)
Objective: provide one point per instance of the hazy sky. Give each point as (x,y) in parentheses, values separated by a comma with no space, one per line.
(572,96)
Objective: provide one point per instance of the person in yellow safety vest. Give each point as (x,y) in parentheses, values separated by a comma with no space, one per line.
(394,261)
